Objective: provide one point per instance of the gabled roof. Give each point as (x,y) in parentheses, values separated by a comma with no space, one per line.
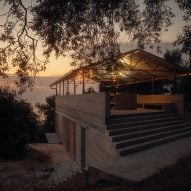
(142,65)
(138,65)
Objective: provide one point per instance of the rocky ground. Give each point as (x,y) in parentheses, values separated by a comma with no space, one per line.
(29,175)
(34,174)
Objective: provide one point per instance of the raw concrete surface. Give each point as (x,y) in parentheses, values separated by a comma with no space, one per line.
(52,138)
(133,111)
(134,167)
(138,166)
(64,166)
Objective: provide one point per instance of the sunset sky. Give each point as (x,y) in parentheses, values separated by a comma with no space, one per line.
(58,67)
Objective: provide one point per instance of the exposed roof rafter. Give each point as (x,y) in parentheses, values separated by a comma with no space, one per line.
(141,64)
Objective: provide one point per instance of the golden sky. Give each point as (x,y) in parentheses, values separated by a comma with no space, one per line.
(62,65)
(58,67)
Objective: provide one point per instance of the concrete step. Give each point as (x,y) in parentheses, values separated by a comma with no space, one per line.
(140,133)
(153,143)
(138,114)
(141,118)
(138,140)
(143,122)
(144,127)
(52,138)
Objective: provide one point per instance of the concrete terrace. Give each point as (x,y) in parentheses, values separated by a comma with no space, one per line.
(136,167)
(64,166)
(52,138)
(133,144)
(128,126)
(141,165)
(133,111)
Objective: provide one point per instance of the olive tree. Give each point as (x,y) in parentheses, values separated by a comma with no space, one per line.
(90,30)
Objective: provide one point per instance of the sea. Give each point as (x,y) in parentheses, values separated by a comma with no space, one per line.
(38,94)
(42,88)
(40,91)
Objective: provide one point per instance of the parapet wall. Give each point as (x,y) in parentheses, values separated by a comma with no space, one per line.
(89,109)
(176,99)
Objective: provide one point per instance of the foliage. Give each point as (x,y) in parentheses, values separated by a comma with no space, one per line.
(48,110)
(173,56)
(19,125)
(18,43)
(183,83)
(90,30)
(184,88)
(184,39)
(90,89)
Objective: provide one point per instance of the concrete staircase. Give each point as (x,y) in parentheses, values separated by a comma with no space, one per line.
(139,131)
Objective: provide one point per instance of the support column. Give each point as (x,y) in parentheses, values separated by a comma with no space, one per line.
(134,87)
(74,85)
(63,87)
(67,86)
(56,90)
(131,59)
(152,87)
(60,88)
(174,83)
(83,82)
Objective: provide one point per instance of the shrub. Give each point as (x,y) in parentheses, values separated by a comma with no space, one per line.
(19,125)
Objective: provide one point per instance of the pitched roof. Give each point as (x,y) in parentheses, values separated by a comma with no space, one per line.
(138,65)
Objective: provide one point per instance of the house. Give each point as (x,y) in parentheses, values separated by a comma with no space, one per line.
(128,112)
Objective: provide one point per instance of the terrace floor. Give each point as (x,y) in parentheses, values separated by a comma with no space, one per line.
(64,166)
(52,138)
(141,165)
(132,111)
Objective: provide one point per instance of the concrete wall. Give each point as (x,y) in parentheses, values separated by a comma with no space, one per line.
(125,101)
(177,99)
(89,111)
(99,148)
(59,126)
(78,144)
